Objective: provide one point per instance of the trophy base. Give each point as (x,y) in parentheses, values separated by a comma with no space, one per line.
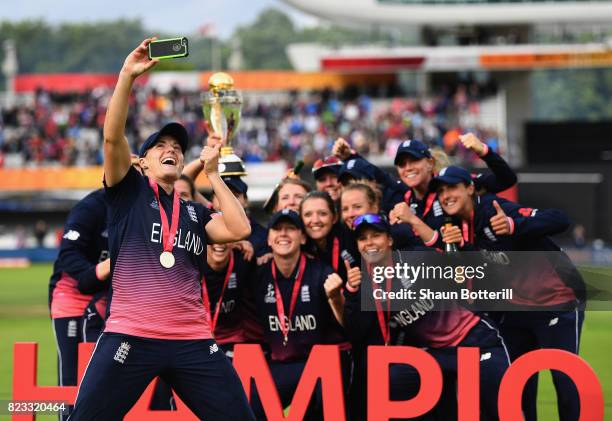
(231,165)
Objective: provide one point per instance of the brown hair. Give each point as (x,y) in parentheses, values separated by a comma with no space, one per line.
(316,194)
(373,196)
(273,199)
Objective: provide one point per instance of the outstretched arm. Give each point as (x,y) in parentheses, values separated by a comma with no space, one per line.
(116,149)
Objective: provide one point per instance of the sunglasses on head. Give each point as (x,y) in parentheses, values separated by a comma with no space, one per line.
(370,218)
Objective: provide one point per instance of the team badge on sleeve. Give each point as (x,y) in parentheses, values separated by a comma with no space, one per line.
(72,235)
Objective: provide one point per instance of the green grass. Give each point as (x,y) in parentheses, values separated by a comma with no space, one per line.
(24,318)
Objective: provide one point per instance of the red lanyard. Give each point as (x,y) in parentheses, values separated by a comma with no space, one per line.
(168,233)
(383,322)
(468,232)
(215,317)
(431,197)
(280,308)
(336,254)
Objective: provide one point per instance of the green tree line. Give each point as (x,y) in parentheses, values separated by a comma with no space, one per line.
(579,94)
(102,46)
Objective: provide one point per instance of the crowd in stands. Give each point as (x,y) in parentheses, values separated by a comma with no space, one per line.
(66,130)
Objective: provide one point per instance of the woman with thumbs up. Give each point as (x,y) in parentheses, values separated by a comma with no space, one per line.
(546,286)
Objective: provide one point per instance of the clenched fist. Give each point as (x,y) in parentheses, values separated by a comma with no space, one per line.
(401,213)
(341,149)
(210,158)
(333,286)
(470,141)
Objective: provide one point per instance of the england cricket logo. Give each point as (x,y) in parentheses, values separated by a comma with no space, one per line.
(192,213)
(122,352)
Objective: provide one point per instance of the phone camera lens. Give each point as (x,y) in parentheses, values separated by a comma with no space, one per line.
(176,47)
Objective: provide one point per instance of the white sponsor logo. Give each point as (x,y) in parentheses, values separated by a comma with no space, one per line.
(305,294)
(192,213)
(350,164)
(72,329)
(104,233)
(442,172)
(270,298)
(232,283)
(553,321)
(213,348)
(485,356)
(122,352)
(72,235)
(406,143)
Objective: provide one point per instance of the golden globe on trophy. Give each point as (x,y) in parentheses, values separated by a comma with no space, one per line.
(221,106)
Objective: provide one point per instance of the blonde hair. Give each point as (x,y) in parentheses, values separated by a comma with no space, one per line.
(441,159)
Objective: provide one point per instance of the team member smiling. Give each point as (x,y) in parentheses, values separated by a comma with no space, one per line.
(440,329)
(548,283)
(157,323)
(299,301)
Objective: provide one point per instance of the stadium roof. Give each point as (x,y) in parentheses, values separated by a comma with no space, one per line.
(379,59)
(382,13)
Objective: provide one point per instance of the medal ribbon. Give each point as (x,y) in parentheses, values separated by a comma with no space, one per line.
(280,308)
(228,273)
(168,234)
(431,197)
(336,254)
(383,322)
(468,231)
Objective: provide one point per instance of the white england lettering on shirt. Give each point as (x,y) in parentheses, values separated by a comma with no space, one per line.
(188,241)
(301,323)
(410,315)
(156,233)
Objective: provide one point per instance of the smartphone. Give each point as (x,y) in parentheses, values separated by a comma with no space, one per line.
(164,49)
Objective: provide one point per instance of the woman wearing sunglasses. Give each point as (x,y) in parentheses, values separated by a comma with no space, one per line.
(440,327)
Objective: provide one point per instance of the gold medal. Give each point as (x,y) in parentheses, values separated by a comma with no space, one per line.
(166,259)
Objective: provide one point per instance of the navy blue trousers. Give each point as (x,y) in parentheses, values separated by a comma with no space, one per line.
(526,331)
(69,332)
(122,366)
(404,380)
